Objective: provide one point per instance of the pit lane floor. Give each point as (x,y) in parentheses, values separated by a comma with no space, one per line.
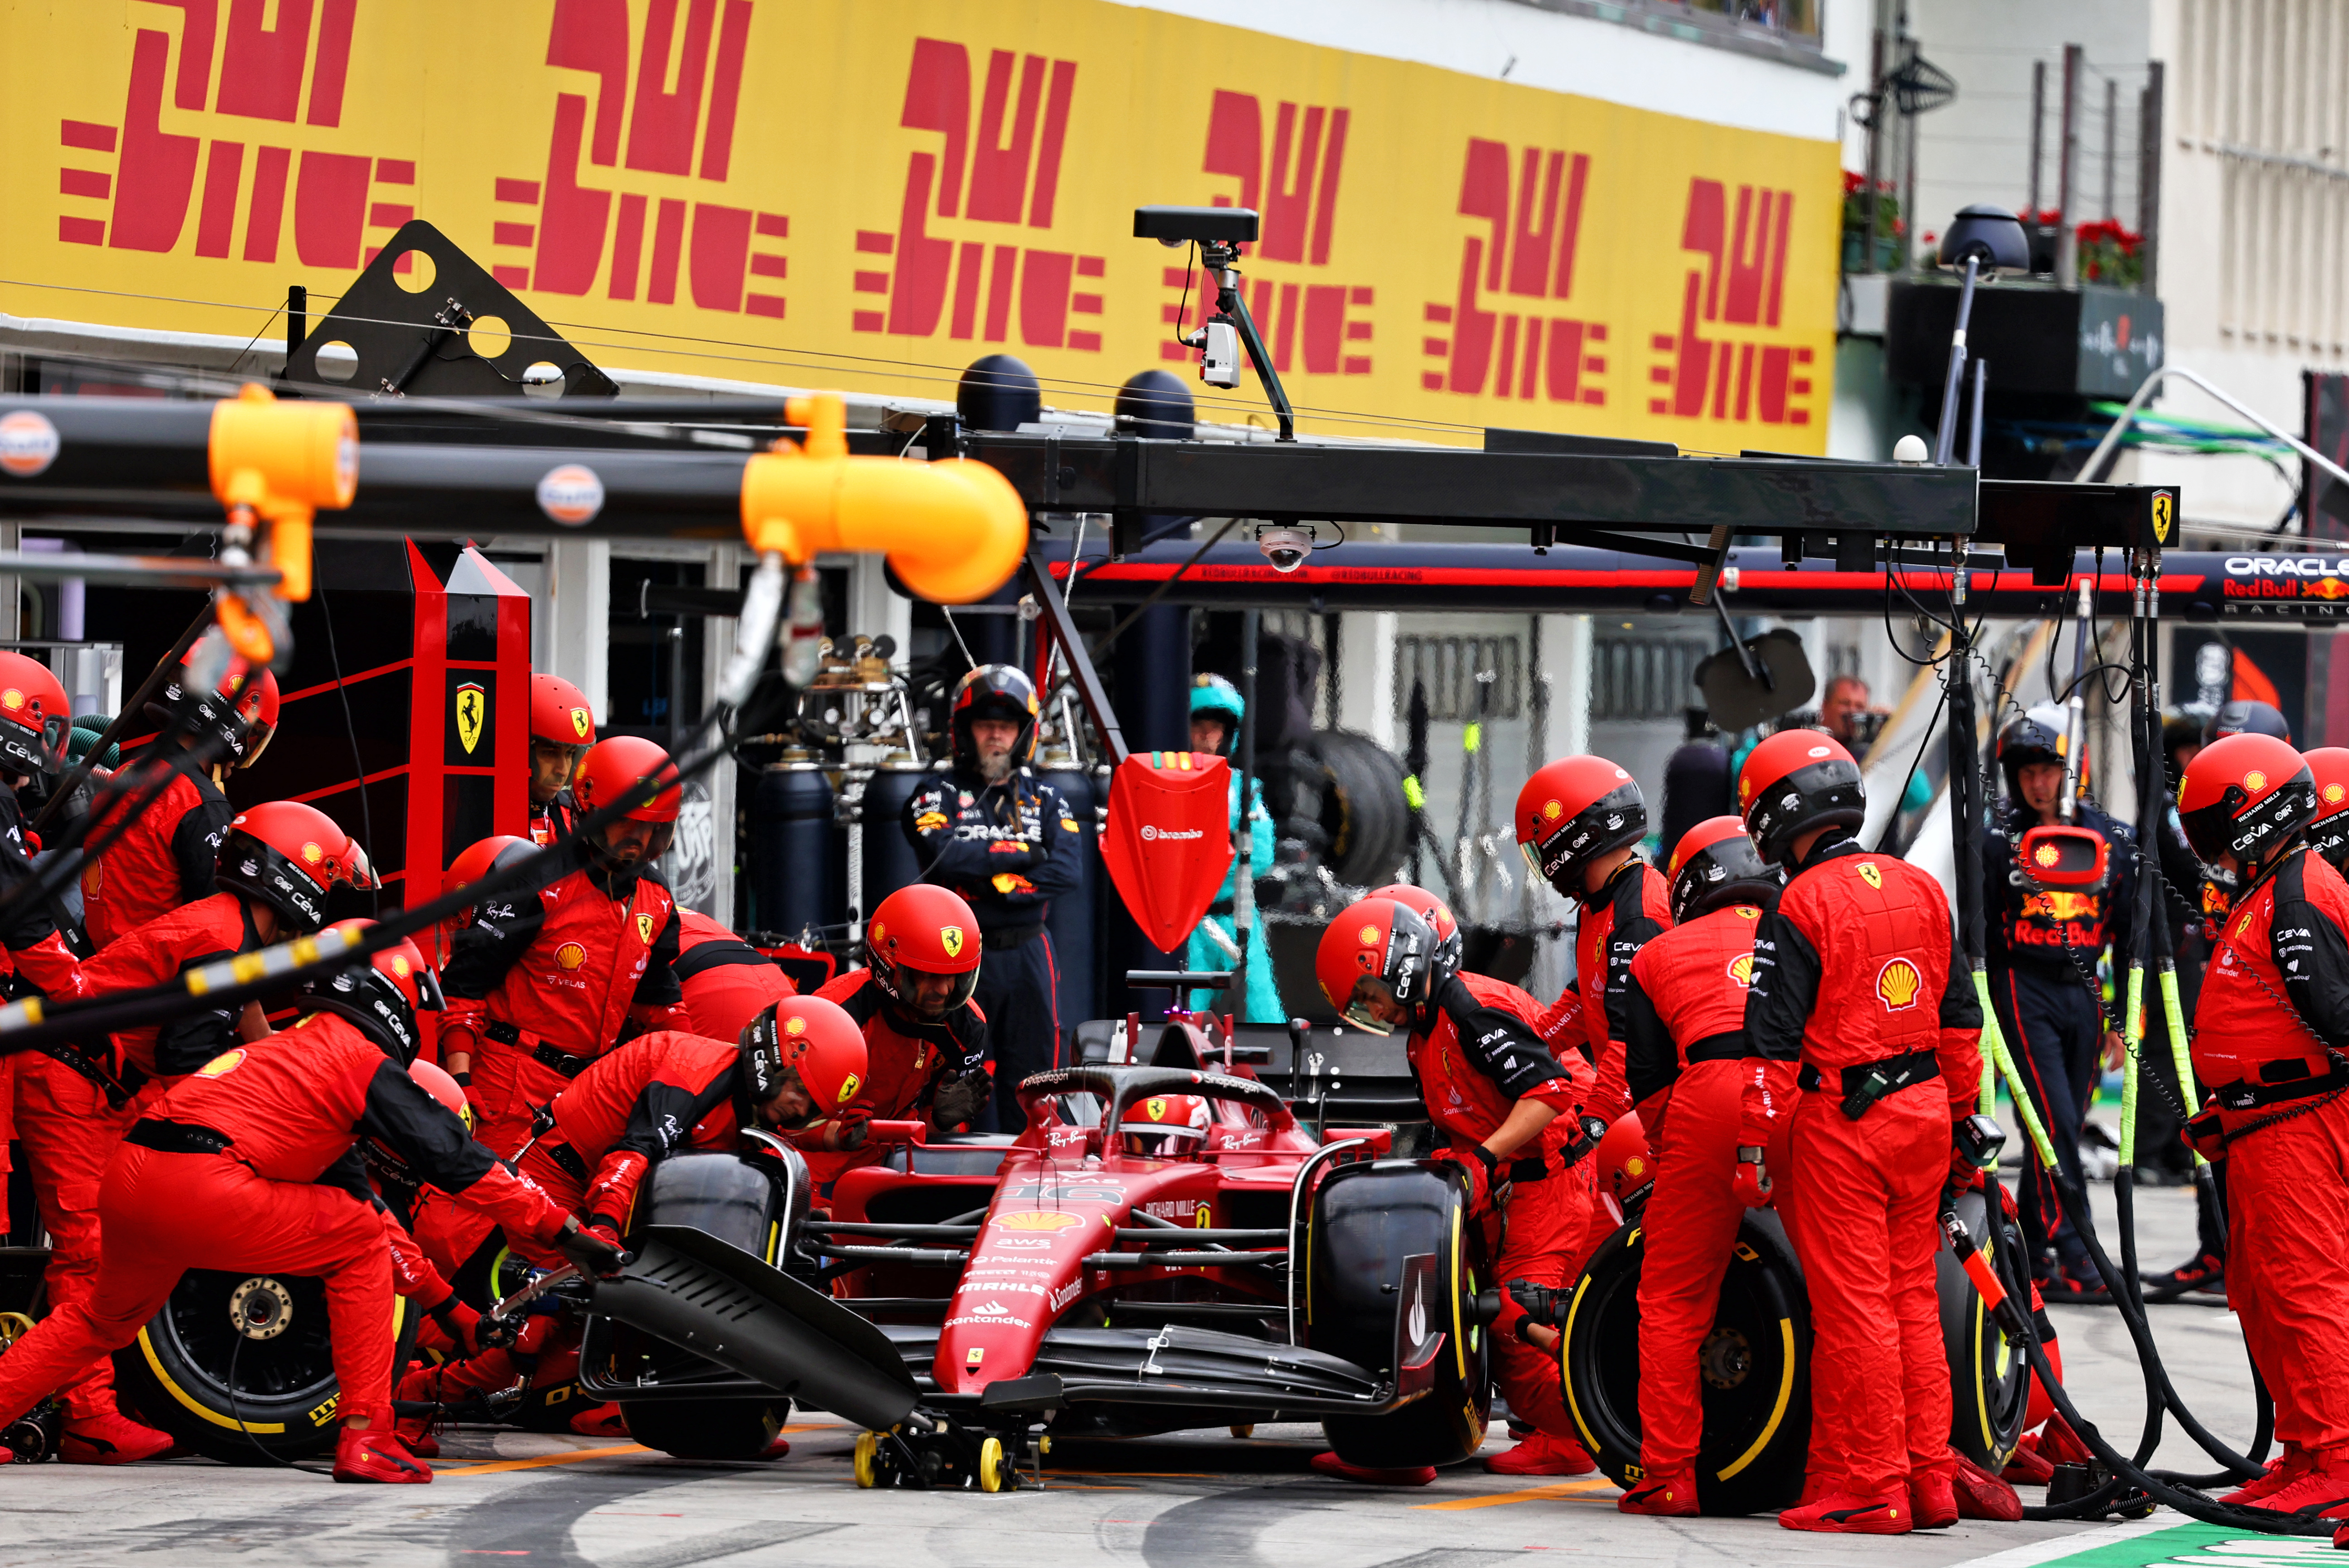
(1186,1501)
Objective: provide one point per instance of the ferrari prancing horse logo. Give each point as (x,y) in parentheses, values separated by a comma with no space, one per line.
(950,937)
(645,928)
(472,707)
(1870,874)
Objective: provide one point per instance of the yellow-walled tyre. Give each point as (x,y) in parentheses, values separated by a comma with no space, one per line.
(993,1476)
(865,1463)
(1989,1385)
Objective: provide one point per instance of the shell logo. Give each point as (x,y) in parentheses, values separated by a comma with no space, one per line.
(312,856)
(1039,1219)
(2334,793)
(1635,1168)
(2255,781)
(880,933)
(220,1066)
(1552,810)
(2046,855)
(951,939)
(400,966)
(1741,970)
(569,956)
(12,699)
(1744,789)
(1871,876)
(1369,936)
(795,1025)
(1898,984)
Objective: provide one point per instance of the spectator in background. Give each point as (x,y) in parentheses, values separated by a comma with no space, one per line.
(1844,711)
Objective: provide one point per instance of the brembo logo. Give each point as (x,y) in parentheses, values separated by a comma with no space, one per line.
(1150,832)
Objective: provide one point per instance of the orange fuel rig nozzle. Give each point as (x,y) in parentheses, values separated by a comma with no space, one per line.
(953,530)
(274,464)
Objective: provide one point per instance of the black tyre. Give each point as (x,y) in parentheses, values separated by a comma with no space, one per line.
(1363,811)
(755,1203)
(285,1403)
(1373,1226)
(1990,1382)
(1756,1368)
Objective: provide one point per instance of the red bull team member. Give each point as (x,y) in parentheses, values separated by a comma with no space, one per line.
(924,1038)
(2045,943)
(1856,977)
(1005,842)
(1685,1062)
(726,981)
(543,981)
(64,1103)
(1579,822)
(165,857)
(562,728)
(1510,1111)
(2271,1027)
(251,1165)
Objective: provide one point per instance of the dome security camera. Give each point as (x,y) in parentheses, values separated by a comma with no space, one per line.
(1284,546)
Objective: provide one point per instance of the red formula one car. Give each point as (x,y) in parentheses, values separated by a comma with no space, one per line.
(1104,1273)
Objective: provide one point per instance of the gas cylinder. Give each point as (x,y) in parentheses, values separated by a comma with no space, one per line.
(1075,921)
(890,862)
(797,876)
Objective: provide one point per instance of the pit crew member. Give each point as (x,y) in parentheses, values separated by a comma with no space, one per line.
(726,981)
(562,728)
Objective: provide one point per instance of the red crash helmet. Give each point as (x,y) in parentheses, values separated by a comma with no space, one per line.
(1626,1169)
(2329,834)
(925,930)
(36,716)
(1796,781)
(240,713)
(617,764)
(559,713)
(1164,1126)
(806,1039)
(1573,811)
(1449,943)
(443,1088)
(1715,865)
(381,994)
(286,855)
(477,859)
(2249,795)
(1384,942)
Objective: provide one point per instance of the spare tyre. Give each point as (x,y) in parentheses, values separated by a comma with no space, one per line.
(1363,813)
(1756,1386)
(238,1366)
(1990,1382)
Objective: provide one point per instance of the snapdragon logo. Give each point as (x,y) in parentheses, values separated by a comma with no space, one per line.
(1150,833)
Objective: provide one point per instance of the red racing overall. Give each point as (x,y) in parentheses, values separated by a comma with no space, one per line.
(170,945)
(1478,1057)
(1684,1062)
(1854,973)
(163,859)
(542,983)
(905,1063)
(1625,916)
(252,1165)
(2271,1019)
(727,981)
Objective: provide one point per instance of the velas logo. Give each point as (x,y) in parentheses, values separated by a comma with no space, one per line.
(569,956)
(571,494)
(2254,781)
(1896,984)
(29,443)
(645,928)
(1741,970)
(581,724)
(1038,1220)
(951,939)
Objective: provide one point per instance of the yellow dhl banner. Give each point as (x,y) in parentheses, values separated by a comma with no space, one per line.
(827,193)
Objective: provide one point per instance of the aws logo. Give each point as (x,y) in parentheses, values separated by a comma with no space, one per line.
(1898,984)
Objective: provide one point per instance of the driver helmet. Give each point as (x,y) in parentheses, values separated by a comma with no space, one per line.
(1378,943)
(994,691)
(36,716)
(926,929)
(1573,811)
(1164,1126)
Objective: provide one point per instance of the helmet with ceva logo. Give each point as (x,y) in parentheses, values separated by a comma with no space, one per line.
(240,714)
(380,993)
(927,930)
(2328,835)
(36,716)
(1449,943)
(1384,943)
(287,854)
(2249,795)
(1573,811)
(804,1041)
(1716,867)
(1793,781)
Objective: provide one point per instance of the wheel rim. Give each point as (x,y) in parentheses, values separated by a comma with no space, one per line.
(990,1465)
(274,1327)
(868,1445)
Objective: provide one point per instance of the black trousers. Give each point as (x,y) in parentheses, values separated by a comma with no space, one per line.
(1018,989)
(2055,1029)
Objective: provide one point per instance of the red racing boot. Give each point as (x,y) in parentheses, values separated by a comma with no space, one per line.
(1542,1454)
(111,1438)
(776,1449)
(2283,1471)
(1662,1497)
(1842,1514)
(1981,1495)
(1332,1466)
(2322,1488)
(1932,1499)
(603,1421)
(375,1455)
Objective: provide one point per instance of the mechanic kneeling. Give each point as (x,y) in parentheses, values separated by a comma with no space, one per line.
(2271,1027)
(252,1165)
(1857,976)
(1510,1112)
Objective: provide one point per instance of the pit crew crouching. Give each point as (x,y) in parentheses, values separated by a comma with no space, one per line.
(1509,1111)
(924,1038)
(727,981)
(252,1164)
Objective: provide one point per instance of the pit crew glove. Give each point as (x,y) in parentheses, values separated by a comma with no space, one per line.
(594,1248)
(1757,1108)
(848,1129)
(959,1100)
(1751,1182)
(458,1322)
(1481,1169)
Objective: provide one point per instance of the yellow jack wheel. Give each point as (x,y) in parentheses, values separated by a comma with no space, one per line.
(1244,1431)
(1044,1447)
(993,1474)
(868,1460)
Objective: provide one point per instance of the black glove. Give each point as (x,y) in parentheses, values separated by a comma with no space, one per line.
(960,1099)
(496,1333)
(593,1251)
